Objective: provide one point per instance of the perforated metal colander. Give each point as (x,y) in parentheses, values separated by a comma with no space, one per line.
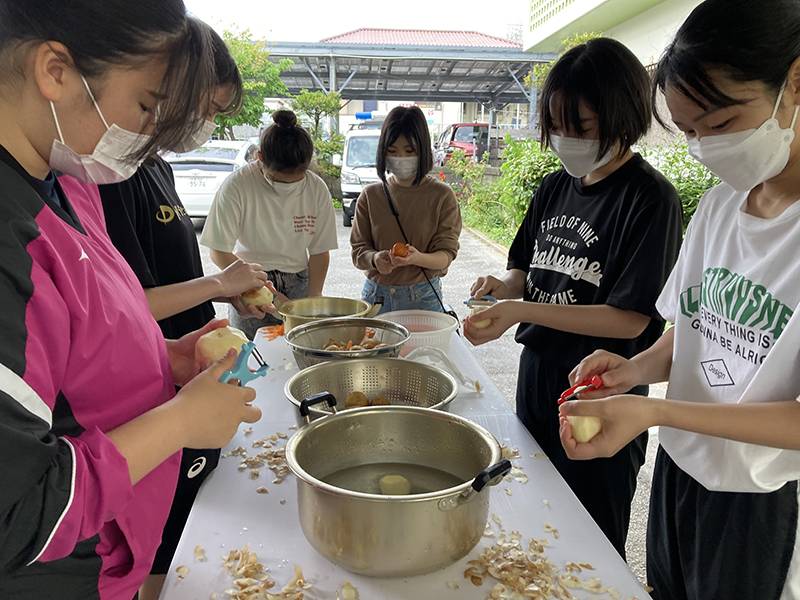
(402,382)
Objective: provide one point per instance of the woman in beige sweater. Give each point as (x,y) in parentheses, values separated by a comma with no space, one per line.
(410,212)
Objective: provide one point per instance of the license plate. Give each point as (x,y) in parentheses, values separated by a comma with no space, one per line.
(196,182)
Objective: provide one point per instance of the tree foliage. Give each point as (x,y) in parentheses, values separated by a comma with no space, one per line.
(316,105)
(261,79)
(539,72)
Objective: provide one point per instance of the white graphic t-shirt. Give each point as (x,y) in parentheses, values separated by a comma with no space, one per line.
(731,296)
(276,226)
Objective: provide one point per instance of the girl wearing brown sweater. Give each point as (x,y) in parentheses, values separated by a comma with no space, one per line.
(409,209)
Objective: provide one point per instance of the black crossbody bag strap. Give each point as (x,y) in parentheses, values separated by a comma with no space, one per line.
(405,237)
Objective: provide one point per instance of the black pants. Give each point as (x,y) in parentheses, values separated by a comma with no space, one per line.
(705,545)
(605,486)
(196,465)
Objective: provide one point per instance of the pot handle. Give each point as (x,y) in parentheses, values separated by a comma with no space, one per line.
(374,309)
(492,475)
(305,405)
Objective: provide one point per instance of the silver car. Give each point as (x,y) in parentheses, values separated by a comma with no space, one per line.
(198,174)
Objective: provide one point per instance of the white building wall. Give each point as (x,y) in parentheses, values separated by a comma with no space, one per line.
(649,33)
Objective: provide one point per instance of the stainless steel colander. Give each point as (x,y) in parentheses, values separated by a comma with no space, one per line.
(402,382)
(307,341)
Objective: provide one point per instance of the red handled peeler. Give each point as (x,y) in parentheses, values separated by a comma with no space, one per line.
(592,383)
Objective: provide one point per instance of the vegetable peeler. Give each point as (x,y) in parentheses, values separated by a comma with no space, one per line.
(241,371)
(483,301)
(592,383)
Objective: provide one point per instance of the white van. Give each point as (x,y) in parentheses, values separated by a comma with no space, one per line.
(358,167)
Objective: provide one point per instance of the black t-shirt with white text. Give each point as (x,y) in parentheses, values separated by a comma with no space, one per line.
(613,242)
(150,227)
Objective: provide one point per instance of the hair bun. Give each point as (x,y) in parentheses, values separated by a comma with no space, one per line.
(284,118)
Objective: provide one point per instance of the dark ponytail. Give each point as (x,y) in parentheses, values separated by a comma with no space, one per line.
(101,34)
(743,40)
(285,146)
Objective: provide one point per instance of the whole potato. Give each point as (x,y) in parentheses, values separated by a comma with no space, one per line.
(215,344)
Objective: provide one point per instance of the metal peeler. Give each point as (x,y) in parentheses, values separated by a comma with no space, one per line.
(241,371)
(592,383)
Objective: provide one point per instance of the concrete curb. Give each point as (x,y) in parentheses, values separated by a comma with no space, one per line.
(499,248)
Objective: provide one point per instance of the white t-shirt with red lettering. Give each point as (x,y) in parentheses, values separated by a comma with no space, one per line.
(732,296)
(275,225)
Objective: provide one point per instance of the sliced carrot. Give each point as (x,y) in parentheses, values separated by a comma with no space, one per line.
(349,345)
(273,332)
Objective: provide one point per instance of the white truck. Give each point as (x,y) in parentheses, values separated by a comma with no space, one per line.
(358,167)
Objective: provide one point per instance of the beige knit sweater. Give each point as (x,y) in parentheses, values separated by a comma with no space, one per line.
(431,219)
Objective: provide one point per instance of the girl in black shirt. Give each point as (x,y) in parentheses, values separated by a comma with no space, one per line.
(589,261)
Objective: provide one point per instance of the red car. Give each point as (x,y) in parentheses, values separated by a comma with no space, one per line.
(472,138)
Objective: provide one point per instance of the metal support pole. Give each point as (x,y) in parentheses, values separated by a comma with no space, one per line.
(314,76)
(333,121)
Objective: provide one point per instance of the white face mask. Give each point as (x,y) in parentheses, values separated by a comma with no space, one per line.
(200,137)
(747,158)
(284,189)
(578,155)
(106,164)
(403,167)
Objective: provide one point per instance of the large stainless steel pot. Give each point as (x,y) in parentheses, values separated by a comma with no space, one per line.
(305,310)
(339,460)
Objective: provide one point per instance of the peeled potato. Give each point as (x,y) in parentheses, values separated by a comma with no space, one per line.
(379,401)
(215,344)
(355,400)
(585,428)
(262,297)
(474,311)
(394,485)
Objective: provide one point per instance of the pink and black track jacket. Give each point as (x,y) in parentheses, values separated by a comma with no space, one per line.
(80,355)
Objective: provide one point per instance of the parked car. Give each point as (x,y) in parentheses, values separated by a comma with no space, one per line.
(198,174)
(472,138)
(358,167)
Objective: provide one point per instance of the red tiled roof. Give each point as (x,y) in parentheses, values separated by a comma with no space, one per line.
(421,37)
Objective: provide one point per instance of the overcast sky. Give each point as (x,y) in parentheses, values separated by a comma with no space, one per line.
(313,20)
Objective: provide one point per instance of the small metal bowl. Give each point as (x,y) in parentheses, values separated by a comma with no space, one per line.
(307,341)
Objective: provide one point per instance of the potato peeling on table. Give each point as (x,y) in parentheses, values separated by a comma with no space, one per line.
(349,592)
(199,554)
(182,572)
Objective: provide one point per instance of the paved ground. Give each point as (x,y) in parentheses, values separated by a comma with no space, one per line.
(499,359)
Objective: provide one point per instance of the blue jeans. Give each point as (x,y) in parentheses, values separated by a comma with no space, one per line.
(291,285)
(404,297)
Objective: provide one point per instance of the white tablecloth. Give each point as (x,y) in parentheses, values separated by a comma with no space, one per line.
(228,512)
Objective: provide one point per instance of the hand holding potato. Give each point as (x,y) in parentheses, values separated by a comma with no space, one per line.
(623,418)
(251,309)
(501,316)
(183,352)
(239,277)
(210,412)
(410,258)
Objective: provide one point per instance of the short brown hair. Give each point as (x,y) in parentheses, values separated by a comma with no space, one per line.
(285,146)
(411,124)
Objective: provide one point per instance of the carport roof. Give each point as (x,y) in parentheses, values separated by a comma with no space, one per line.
(421,72)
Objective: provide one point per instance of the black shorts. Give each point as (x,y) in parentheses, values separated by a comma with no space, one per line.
(196,465)
(605,486)
(704,545)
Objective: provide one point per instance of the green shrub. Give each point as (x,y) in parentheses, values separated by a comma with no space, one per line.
(479,198)
(690,178)
(525,166)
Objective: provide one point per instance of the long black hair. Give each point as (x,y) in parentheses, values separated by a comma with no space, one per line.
(100,34)
(408,121)
(740,39)
(227,73)
(611,81)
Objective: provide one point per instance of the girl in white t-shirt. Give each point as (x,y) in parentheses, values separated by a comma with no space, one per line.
(724,506)
(276,213)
